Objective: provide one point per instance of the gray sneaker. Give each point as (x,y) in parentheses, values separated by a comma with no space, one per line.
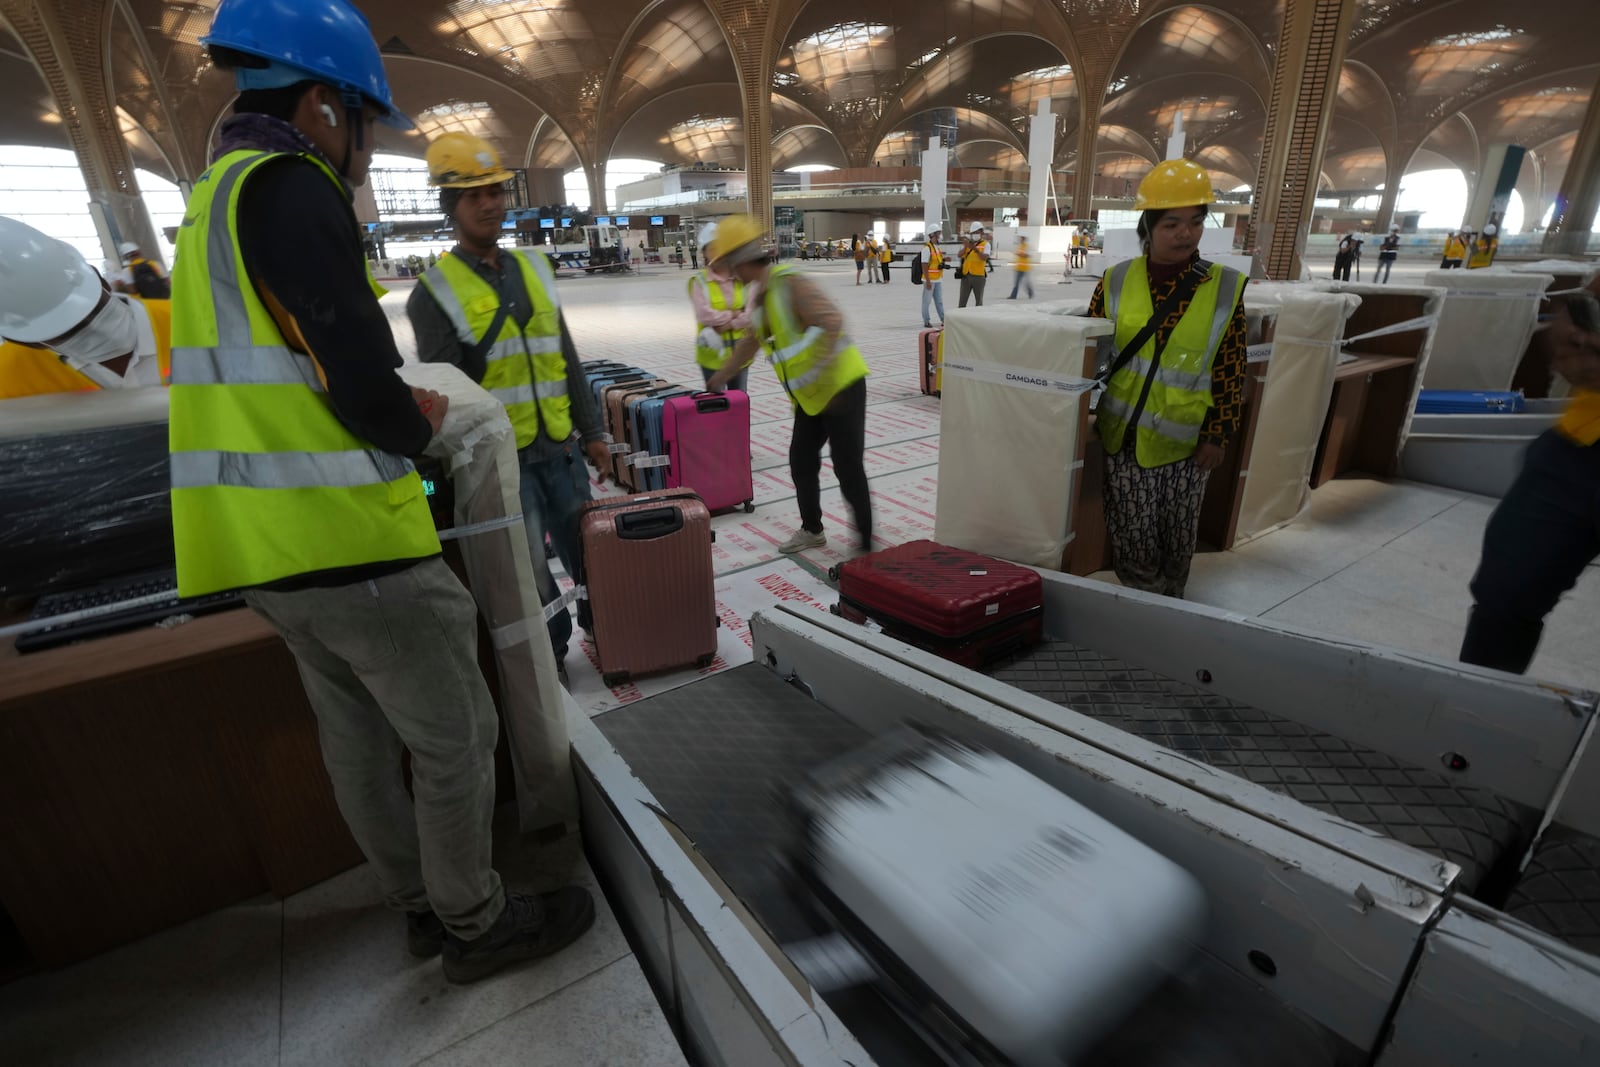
(802,540)
(529,928)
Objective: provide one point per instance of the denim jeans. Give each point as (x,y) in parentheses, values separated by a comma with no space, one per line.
(1023,278)
(1538,541)
(933,290)
(738,381)
(554,489)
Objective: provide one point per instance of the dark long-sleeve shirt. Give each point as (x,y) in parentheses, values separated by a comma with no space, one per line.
(298,238)
(437,342)
(1227,370)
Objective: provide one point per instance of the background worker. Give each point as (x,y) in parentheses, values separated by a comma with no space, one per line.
(1344,257)
(1455,251)
(144,276)
(1174,396)
(495,314)
(817,365)
(289,429)
(885,256)
(858,252)
(1388,252)
(932,278)
(63,328)
(1546,530)
(872,259)
(719,310)
(1024,264)
(974,265)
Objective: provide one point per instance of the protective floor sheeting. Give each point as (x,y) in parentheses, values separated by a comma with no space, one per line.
(1294,402)
(1487,319)
(1009,431)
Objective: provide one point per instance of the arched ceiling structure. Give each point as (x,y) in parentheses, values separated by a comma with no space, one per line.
(564,83)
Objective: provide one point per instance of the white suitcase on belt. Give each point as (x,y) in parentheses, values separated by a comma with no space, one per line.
(1035,921)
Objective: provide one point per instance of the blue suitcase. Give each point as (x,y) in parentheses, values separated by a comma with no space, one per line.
(1466,402)
(644,430)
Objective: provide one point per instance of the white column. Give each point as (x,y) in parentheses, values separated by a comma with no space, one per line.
(1041,155)
(935,182)
(1176,141)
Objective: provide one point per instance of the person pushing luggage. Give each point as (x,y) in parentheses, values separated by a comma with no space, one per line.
(719,311)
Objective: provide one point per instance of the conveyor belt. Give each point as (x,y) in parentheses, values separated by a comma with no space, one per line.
(1559,892)
(717,755)
(1471,827)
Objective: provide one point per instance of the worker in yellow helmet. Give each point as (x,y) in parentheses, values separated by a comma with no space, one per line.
(494,312)
(289,433)
(817,365)
(63,329)
(1174,390)
(719,310)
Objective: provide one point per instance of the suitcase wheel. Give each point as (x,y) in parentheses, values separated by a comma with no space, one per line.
(705,660)
(612,679)
(833,573)
(749,506)
(836,609)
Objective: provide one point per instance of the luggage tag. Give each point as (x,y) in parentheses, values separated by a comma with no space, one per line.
(564,601)
(652,461)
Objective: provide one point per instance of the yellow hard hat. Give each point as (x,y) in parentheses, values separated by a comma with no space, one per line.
(1174,183)
(463,161)
(737,235)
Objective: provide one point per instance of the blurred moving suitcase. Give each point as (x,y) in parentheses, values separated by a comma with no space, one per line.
(706,437)
(997,911)
(1466,402)
(930,351)
(647,559)
(969,608)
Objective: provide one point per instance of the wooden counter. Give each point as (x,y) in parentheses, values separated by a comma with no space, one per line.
(152,776)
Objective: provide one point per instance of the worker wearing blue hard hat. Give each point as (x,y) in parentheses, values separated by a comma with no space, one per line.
(290,438)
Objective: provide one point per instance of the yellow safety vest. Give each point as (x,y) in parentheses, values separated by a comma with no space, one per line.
(28,371)
(705,354)
(973,265)
(1024,264)
(810,376)
(1180,395)
(267,483)
(525,369)
(934,271)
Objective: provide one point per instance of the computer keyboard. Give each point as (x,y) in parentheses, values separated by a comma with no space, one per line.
(109,618)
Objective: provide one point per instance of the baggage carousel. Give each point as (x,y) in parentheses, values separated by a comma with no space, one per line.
(719,756)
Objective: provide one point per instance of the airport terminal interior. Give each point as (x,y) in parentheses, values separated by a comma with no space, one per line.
(180,888)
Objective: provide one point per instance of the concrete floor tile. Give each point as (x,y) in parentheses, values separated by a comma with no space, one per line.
(201,993)
(1306,547)
(1378,511)
(609,1019)
(1457,531)
(1237,583)
(353,995)
(1340,611)
(1434,585)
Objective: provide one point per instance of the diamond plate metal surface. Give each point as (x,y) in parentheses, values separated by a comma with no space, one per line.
(718,754)
(1471,827)
(1559,892)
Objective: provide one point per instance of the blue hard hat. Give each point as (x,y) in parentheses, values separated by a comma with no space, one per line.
(322,40)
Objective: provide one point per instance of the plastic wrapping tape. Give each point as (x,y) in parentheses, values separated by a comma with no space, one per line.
(1015,377)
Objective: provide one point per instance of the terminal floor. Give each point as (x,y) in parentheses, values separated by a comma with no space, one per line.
(323,978)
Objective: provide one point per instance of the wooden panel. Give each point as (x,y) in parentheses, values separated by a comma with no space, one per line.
(1340,431)
(1219,510)
(1090,548)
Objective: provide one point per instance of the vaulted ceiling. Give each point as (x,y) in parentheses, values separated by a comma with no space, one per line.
(564,83)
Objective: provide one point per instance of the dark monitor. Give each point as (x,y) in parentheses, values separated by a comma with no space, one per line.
(658,220)
(84,488)
(547,224)
(602,220)
(622,220)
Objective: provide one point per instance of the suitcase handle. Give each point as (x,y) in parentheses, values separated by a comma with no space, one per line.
(710,402)
(649,524)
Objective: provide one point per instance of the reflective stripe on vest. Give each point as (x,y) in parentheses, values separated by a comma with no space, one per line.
(524,367)
(1180,394)
(267,483)
(810,376)
(707,356)
(934,271)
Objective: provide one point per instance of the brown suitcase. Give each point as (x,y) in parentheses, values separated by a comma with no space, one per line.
(647,561)
(603,404)
(617,424)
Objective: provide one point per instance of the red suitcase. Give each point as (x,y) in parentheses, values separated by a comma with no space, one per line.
(647,562)
(930,352)
(969,608)
(707,440)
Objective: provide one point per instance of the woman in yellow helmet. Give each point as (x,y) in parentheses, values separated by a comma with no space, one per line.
(1173,394)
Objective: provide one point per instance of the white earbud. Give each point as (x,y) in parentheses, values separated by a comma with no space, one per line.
(333,120)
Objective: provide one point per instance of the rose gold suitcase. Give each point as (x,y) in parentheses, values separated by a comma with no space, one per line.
(647,561)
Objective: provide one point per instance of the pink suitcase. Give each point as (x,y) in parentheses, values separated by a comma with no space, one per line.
(707,439)
(930,352)
(647,561)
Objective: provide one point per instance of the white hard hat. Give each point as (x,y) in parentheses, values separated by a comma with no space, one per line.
(128,248)
(46,288)
(977,227)
(708,233)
